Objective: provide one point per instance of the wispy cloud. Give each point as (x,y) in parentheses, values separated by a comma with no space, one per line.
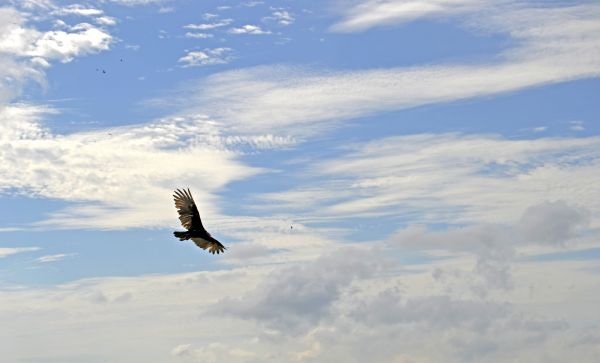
(166,9)
(367,14)
(249,29)
(136,167)
(294,99)
(77,9)
(54,258)
(106,20)
(8,251)
(208,16)
(251,4)
(449,178)
(207,57)
(281,17)
(207,26)
(577,126)
(138,2)
(198,35)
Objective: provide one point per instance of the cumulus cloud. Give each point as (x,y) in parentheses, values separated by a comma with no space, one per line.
(106,20)
(552,222)
(296,295)
(15,73)
(351,307)
(17,40)
(207,57)
(434,312)
(249,29)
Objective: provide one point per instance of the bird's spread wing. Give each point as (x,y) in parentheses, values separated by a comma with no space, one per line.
(188,213)
(212,244)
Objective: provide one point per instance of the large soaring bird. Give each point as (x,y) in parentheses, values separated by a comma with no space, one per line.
(190,219)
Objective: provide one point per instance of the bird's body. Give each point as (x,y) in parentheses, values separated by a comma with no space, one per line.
(190,219)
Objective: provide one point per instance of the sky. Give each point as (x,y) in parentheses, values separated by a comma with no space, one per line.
(396,181)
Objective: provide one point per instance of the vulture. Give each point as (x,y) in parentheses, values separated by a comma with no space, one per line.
(190,220)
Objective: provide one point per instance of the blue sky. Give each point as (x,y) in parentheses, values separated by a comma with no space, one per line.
(437,160)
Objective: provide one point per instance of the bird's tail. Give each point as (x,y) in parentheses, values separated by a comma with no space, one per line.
(182,235)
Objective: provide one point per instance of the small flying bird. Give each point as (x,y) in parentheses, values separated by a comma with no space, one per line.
(190,219)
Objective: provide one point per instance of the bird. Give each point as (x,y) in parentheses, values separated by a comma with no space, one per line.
(190,220)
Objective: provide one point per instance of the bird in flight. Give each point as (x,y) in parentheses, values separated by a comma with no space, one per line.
(190,219)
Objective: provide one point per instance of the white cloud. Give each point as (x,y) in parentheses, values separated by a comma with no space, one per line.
(43,9)
(19,41)
(129,172)
(374,313)
(576,126)
(76,9)
(450,178)
(137,2)
(54,258)
(8,251)
(14,75)
(166,10)
(252,4)
(198,35)
(66,46)
(207,57)
(34,4)
(207,26)
(302,100)
(106,20)
(371,13)
(14,72)
(281,17)
(249,29)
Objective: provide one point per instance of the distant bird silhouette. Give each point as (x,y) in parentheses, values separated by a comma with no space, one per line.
(190,219)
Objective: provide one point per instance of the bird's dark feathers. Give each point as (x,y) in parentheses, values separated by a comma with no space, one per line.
(188,212)
(190,219)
